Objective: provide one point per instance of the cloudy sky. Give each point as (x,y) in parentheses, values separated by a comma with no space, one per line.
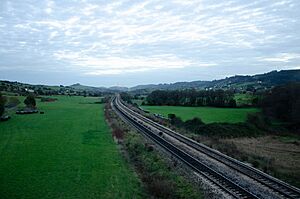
(130,42)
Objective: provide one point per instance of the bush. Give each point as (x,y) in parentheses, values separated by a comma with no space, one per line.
(126,97)
(171,116)
(176,121)
(2,104)
(30,101)
(48,99)
(226,130)
(232,103)
(161,187)
(258,120)
(193,124)
(118,134)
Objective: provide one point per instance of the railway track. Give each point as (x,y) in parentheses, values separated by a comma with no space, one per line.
(282,188)
(225,184)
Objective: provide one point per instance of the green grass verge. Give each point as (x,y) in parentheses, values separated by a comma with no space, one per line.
(207,114)
(161,180)
(66,153)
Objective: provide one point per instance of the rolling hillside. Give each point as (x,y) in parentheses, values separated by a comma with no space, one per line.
(238,82)
(241,82)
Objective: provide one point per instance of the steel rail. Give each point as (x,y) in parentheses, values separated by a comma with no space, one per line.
(274,184)
(217,178)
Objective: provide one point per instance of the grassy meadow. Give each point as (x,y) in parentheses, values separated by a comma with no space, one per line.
(66,153)
(207,114)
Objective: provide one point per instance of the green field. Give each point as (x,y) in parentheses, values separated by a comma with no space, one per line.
(207,114)
(244,99)
(66,153)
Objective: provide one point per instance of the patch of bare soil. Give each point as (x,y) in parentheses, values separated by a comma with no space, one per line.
(284,157)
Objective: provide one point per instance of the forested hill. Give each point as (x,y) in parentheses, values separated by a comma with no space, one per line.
(237,82)
(241,82)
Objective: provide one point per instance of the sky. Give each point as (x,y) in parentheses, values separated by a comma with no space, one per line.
(132,42)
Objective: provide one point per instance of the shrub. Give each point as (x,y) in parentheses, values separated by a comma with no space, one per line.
(171,116)
(193,124)
(126,97)
(118,134)
(177,121)
(258,120)
(161,187)
(48,99)
(232,103)
(2,104)
(30,101)
(226,130)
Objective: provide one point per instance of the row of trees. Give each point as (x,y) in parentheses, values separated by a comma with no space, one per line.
(22,89)
(217,98)
(13,101)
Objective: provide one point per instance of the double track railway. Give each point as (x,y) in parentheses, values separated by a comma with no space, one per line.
(146,126)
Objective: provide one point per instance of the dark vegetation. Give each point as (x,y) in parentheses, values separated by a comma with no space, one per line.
(48,99)
(126,97)
(216,98)
(30,101)
(2,104)
(217,130)
(283,103)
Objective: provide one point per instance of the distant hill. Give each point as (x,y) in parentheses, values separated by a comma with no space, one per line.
(100,89)
(173,86)
(118,88)
(240,82)
(88,88)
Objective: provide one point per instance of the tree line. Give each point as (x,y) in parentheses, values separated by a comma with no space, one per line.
(10,102)
(281,103)
(216,98)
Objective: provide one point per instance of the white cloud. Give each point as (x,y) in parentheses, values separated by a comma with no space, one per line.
(53,35)
(103,37)
(282,57)
(116,65)
(49,8)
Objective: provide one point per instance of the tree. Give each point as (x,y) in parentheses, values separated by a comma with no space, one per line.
(192,97)
(2,104)
(30,101)
(283,103)
(126,97)
(232,103)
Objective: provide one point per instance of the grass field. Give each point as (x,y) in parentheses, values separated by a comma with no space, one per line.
(244,99)
(66,153)
(207,114)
